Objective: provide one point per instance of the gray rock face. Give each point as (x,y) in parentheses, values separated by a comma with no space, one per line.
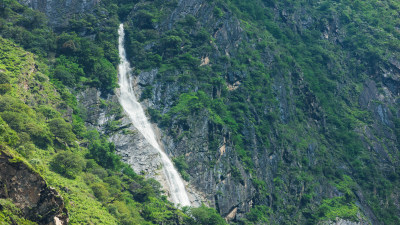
(340,221)
(224,192)
(129,142)
(29,192)
(135,151)
(147,78)
(231,196)
(90,106)
(214,167)
(59,11)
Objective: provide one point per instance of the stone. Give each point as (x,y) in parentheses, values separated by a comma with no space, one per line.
(29,192)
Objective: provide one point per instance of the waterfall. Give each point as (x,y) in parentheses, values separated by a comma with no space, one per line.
(136,114)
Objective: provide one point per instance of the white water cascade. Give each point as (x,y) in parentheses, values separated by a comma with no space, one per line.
(136,114)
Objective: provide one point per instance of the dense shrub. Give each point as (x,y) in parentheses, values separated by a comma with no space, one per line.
(182,167)
(7,135)
(100,191)
(206,216)
(62,130)
(68,164)
(102,151)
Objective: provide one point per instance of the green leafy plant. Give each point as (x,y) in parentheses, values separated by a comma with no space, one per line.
(67,164)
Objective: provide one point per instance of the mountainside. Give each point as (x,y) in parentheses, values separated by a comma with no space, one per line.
(274,112)
(291,106)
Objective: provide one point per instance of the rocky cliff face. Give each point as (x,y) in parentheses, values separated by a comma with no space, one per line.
(300,148)
(29,192)
(234,196)
(216,168)
(211,174)
(129,142)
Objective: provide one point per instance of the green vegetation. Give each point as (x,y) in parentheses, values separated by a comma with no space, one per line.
(206,216)
(10,214)
(79,60)
(182,167)
(330,209)
(67,164)
(37,124)
(258,214)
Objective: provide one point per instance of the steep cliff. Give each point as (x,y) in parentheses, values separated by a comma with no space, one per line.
(303,114)
(29,192)
(275,112)
(274,104)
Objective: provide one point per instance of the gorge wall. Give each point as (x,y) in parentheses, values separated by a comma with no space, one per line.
(289,109)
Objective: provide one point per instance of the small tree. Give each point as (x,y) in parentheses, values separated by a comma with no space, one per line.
(103,152)
(100,191)
(182,167)
(207,216)
(62,130)
(67,164)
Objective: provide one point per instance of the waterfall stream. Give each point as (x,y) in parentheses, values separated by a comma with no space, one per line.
(136,114)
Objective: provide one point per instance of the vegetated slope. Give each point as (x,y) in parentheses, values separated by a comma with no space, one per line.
(42,129)
(33,123)
(286,109)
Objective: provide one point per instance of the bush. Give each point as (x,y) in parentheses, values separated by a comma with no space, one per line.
(100,191)
(103,152)
(182,166)
(4,88)
(171,44)
(64,76)
(62,130)
(144,193)
(107,75)
(4,78)
(68,164)
(144,20)
(48,112)
(259,214)
(7,135)
(189,21)
(207,216)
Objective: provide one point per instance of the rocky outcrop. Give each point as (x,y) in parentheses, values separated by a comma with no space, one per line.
(215,168)
(29,192)
(129,142)
(340,221)
(225,185)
